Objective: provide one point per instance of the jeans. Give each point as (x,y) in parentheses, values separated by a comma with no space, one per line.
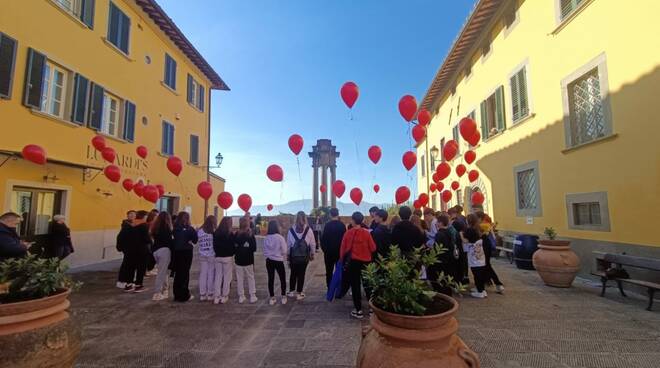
(223,275)
(330,262)
(163,257)
(206,275)
(271,267)
(245,272)
(297,278)
(355,275)
(480,277)
(182,263)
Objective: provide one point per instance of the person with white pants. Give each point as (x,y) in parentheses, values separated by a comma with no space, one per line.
(161,232)
(224,249)
(206,259)
(246,245)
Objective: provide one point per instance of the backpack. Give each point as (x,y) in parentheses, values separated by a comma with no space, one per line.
(299,253)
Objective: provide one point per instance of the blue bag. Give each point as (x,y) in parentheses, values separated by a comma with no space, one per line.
(334,290)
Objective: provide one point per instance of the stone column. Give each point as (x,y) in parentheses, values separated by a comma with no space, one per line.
(333,178)
(315,189)
(324,181)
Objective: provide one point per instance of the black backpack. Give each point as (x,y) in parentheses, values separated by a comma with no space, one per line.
(299,253)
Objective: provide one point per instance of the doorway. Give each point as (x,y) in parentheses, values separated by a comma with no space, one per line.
(168,204)
(37,208)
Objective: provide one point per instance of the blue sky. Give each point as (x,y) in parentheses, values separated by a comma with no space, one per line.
(285,62)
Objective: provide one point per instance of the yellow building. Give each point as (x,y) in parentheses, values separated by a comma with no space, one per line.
(564,93)
(72,69)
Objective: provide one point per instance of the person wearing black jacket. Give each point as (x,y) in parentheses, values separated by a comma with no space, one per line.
(333,233)
(11,245)
(135,242)
(224,248)
(381,234)
(59,239)
(372,213)
(185,236)
(459,223)
(122,278)
(448,261)
(405,234)
(246,245)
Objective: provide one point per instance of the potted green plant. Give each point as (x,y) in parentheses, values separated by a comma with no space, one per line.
(412,325)
(35,327)
(554,261)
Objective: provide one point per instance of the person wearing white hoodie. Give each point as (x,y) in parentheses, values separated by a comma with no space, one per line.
(275,252)
(206,258)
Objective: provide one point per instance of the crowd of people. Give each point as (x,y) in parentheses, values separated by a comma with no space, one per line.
(57,242)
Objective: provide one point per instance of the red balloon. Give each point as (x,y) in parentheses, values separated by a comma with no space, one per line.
(423,199)
(455,185)
(402,194)
(419,133)
(175,165)
(408,107)
(349,93)
(127,184)
(424,117)
(440,186)
(416,204)
(161,190)
(296,144)
(460,170)
(112,173)
(449,150)
(474,139)
(275,173)
(34,153)
(244,202)
(470,156)
(409,160)
(338,188)
(138,188)
(323,188)
(467,127)
(356,196)
(436,177)
(109,154)
(443,170)
(98,142)
(150,193)
(432,187)
(473,175)
(225,200)
(376,188)
(141,151)
(374,154)
(446,195)
(269,207)
(477,198)
(205,190)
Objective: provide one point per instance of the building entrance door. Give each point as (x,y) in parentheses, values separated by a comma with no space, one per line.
(37,208)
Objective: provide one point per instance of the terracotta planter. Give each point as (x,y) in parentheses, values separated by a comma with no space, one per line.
(556,263)
(395,340)
(39,333)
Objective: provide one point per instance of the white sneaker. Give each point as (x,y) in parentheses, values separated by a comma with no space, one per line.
(224,300)
(284,300)
(216,301)
(153,272)
(499,289)
(272,301)
(291,294)
(253,299)
(157,297)
(241,299)
(479,295)
(120,284)
(202,298)
(166,294)
(192,297)
(300,296)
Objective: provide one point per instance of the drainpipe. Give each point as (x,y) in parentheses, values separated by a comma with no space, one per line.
(208,154)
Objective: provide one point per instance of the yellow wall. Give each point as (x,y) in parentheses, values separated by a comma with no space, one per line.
(627,166)
(41,25)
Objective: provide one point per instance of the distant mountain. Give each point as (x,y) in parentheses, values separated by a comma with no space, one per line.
(345,209)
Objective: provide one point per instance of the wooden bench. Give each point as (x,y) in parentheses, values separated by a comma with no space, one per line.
(605,261)
(507,247)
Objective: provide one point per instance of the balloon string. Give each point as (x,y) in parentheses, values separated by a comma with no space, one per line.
(350,114)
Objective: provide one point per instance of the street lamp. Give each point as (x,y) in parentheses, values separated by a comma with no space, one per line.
(218,160)
(435,152)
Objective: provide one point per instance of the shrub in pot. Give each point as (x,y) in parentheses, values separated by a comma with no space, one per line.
(555,262)
(412,325)
(35,328)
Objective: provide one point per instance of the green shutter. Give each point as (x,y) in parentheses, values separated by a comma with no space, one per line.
(499,109)
(515,98)
(96,107)
(129,121)
(190,89)
(87,13)
(522,92)
(568,7)
(80,99)
(194,149)
(34,78)
(200,97)
(484,119)
(7,60)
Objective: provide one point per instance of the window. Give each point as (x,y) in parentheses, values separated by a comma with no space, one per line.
(588,211)
(110,117)
(194,149)
(119,26)
(167,145)
(492,114)
(442,150)
(53,90)
(527,189)
(195,93)
(457,138)
(170,72)
(110,114)
(586,108)
(7,61)
(79,9)
(567,7)
(519,96)
(422,163)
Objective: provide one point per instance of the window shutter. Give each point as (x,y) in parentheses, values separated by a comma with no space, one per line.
(80,96)
(499,109)
(163,142)
(7,59)
(170,139)
(522,92)
(34,78)
(200,98)
(190,89)
(515,98)
(194,149)
(113,25)
(129,121)
(166,72)
(567,7)
(96,107)
(484,119)
(124,32)
(173,74)
(87,13)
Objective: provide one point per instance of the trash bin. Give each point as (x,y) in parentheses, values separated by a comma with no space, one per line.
(523,249)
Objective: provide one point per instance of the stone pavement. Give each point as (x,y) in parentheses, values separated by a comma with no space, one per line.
(530,326)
